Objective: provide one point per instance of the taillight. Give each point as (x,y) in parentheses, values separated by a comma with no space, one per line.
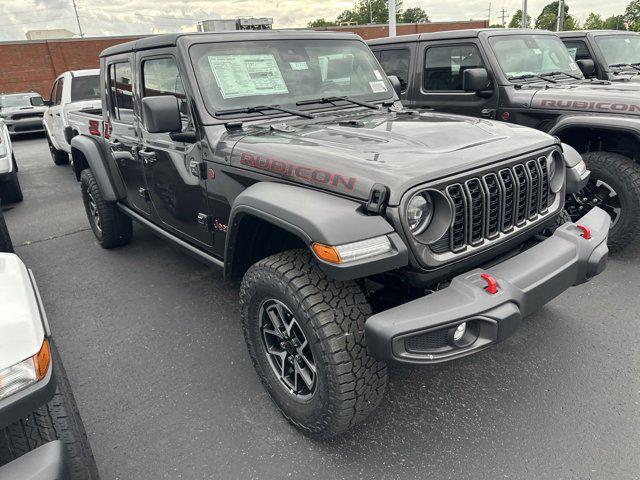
(107,129)
(94,127)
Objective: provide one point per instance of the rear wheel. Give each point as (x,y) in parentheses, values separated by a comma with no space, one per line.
(111,227)
(59,419)
(59,157)
(305,335)
(5,239)
(614,186)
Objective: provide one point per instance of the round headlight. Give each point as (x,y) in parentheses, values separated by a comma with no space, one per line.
(555,167)
(419,213)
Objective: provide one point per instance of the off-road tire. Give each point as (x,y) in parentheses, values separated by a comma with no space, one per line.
(623,175)
(5,240)
(332,314)
(59,157)
(115,229)
(10,191)
(58,419)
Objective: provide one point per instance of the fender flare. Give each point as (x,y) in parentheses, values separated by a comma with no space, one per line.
(315,216)
(95,157)
(603,122)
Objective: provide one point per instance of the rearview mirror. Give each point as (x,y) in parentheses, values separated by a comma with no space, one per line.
(161,114)
(395,83)
(475,80)
(587,66)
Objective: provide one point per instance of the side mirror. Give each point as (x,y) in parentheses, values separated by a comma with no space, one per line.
(395,83)
(587,66)
(161,114)
(475,80)
(47,103)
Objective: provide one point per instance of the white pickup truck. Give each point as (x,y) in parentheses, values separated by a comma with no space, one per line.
(10,191)
(72,91)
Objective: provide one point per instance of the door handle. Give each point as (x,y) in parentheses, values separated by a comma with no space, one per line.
(57,114)
(148,158)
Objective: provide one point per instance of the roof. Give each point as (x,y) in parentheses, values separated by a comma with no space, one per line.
(171,40)
(456,34)
(595,33)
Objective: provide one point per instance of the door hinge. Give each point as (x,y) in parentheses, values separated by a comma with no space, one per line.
(378,197)
(488,113)
(198,169)
(205,221)
(144,193)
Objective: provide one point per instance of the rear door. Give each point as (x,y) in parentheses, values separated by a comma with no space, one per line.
(395,59)
(172,168)
(438,80)
(122,115)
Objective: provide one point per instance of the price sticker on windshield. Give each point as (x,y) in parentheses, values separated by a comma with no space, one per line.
(247,75)
(378,87)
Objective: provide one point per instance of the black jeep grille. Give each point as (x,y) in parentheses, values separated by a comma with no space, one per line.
(483,207)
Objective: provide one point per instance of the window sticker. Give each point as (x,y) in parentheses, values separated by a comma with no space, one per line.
(298,65)
(537,51)
(377,74)
(378,87)
(247,75)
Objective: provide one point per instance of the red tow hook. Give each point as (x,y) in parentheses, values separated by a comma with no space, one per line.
(585,232)
(492,285)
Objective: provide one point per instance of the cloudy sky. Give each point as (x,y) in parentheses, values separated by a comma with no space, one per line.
(121,17)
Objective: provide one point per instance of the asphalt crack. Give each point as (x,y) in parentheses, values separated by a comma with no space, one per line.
(33,242)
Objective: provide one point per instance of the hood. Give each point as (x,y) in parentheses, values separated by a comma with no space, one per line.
(21,330)
(617,98)
(6,111)
(348,155)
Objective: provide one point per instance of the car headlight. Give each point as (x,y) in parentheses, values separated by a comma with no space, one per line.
(25,373)
(419,212)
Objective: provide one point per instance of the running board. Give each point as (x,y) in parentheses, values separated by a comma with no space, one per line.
(190,249)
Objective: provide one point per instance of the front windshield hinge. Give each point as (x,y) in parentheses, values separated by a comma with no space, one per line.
(233,126)
(377,202)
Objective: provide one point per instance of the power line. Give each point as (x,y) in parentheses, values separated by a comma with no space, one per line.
(36,21)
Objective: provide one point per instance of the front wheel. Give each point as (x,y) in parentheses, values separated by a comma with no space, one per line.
(614,186)
(59,157)
(305,335)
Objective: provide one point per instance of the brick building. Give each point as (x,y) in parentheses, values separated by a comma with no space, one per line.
(33,65)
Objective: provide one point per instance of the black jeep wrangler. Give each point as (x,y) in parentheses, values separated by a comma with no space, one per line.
(363,233)
(528,77)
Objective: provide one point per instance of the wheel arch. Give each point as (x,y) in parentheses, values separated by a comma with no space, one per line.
(90,153)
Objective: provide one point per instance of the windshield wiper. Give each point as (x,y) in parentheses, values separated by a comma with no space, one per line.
(553,74)
(262,109)
(333,100)
(635,66)
(532,75)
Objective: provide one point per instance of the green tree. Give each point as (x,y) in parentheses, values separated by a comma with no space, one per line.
(369,11)
(548,18)
(414,15)
(594,22)
(496,25)
(632,15)
(615,22)
(321,22)
(516,20)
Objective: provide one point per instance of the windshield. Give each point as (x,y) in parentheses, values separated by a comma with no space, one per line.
(620,49)
(86,87)
(522,55)
(283,72)
(8,101)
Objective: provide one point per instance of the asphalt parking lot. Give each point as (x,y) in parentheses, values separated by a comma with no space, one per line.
(153,347)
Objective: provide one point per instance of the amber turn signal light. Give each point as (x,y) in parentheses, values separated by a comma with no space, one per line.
(41,360)
(326,253)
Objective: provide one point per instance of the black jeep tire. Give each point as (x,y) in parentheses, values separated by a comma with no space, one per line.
(59,157)
(5,240)
(10,191)
(58,419)
(622,174)
(349,383)
(111,227)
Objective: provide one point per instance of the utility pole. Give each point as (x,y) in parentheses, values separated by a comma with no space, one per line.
(75,9)
(370,13)
(489,17)
(392,18)
(523,21)
(503,15)
(560,24)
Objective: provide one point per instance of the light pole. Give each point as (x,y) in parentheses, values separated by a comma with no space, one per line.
(75,9)
(392,18)
(523,20)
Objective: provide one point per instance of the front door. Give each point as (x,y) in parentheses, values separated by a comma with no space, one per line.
(54,113)
(172,168)
(123,137)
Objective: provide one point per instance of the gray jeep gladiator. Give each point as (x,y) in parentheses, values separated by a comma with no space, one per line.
(363,233)
(528,77)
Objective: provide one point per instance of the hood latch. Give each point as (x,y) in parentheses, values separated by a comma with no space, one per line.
(378,198)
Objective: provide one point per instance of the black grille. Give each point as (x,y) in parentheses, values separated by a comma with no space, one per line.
(19,116)
(484,207)
(426,342)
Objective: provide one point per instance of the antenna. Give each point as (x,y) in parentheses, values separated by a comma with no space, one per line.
(75,9)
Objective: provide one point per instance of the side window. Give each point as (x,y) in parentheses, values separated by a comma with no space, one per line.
(120,92)
(52,96)
(396,62)
(444,66)
(160,76)
(578,49)
(58,92)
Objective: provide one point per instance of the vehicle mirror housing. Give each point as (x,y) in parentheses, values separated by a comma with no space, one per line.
(161,114)
(395,83)
(47,103)
(587,66)
(475,80)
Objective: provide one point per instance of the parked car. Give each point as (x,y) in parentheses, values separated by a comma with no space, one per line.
(363,233)
(605,54)
(42,436)
(528,77)
(72,91)
(10,191)
(22,112)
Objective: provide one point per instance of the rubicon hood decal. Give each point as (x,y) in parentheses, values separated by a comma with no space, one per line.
(589,106)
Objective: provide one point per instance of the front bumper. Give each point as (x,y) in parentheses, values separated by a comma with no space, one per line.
(25,125)
(47,462)
(420,331)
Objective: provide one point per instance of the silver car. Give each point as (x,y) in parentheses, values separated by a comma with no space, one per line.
(22,112)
